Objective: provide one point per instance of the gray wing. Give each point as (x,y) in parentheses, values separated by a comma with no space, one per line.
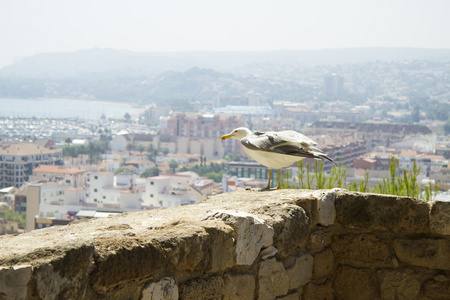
(284,142)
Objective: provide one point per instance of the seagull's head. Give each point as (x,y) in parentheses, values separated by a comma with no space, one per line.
(237,133)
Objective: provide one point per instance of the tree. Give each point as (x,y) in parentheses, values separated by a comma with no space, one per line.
(68,141)
(122,169)
(447,128)
(129,147)
(140,148)
(165,151)
(10,215)
(127,117)
(416,114)
(150,173)
(173,164)
(92,152)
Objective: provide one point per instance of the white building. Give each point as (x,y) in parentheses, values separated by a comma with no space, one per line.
(52,203)
(170,190)
(72,176)
(103,193)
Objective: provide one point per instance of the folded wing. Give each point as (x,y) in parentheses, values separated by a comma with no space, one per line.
(284,142)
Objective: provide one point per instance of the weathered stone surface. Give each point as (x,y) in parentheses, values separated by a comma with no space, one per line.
(318,291)
(273,279)
(212,288)
(440,217)
(429,253)
(165,289)
(290,223)
(318,240)
(121,257)
(299,270)
(293,296)
(382,212)
(239,287)
(222,252)
(320,206)
(251,231)
(355,284)
(64,276)
(268,252)
(438,288)
(323,264)
(361,250)
(401,284)
(14,281)
(326,207)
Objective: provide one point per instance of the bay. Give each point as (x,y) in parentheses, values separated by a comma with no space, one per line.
(64,108)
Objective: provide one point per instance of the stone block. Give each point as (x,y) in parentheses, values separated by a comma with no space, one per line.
(403,284)
(318,291)
(428,253)
(212,288)
(323,264)
(165,289)
(273,279)
(222,252)
(438,288)
(320,206)
(185,252)
(440,218)
(382,212)
(252,233)
(239,287)
(355,284)
(318,240)
(14,281)
(299,270)
(326,207)
(290,224)
(361,250)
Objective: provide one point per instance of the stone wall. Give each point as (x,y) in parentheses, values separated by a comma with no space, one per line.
(287,244)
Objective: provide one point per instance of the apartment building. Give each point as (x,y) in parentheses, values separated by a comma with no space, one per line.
(123,142)
(375,134)
(103,193)
(196,133)
(17,162)
(73,176)
(170,190)
(342,149)
(54,195)
(52,203)
(429,163)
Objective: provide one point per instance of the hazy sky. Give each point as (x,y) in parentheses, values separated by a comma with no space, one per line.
(29,27)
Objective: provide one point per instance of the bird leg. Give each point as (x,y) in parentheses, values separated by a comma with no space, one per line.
(278,180)
(268,184)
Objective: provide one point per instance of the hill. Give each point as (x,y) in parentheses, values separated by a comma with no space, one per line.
(108,62)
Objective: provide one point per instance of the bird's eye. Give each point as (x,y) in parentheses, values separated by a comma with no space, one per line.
(235,131)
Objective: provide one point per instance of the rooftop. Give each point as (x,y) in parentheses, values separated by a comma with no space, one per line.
(58,170)
(24,149)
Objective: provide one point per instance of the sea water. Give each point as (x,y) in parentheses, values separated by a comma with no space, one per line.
(62,108)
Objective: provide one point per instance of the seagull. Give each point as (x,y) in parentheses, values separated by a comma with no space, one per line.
(276,149)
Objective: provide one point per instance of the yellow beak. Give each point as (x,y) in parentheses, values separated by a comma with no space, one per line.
(226,136)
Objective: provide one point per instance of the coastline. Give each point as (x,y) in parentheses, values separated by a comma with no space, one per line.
(65,108)
(125,104)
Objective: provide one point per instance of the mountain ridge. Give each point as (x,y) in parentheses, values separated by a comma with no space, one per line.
(125,62)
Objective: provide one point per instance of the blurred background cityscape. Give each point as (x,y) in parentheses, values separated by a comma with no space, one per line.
(89,129)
